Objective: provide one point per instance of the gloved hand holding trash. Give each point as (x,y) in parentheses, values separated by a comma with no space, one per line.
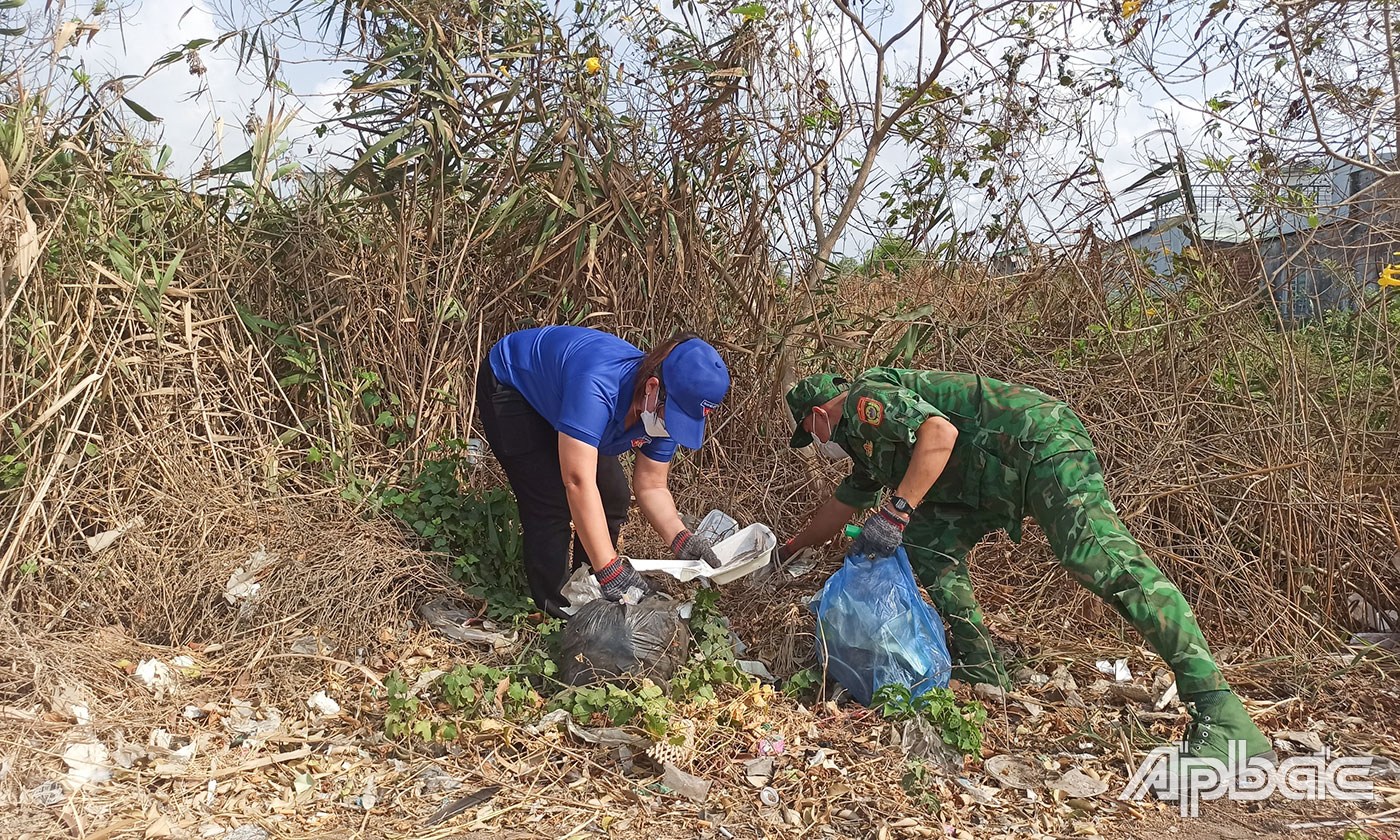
(617,579)
(741,552)
(689,546)
(882,534)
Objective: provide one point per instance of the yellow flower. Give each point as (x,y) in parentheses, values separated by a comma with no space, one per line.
(1390,275)
(593,65)
(1130,7)
(1150,312)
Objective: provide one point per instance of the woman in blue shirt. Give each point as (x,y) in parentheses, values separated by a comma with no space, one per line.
(558,406)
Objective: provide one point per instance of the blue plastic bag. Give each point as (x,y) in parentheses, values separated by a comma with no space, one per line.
(874,629)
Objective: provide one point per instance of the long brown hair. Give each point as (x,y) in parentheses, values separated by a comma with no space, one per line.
(651,363)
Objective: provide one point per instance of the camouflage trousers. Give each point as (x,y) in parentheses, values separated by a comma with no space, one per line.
(1066,495)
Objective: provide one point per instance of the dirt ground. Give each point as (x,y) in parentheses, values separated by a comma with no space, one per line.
(317,775)
(228,738)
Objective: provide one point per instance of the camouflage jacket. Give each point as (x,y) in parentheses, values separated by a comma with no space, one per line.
(1002,430)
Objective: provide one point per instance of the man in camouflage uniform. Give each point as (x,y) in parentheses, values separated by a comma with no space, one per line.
(966,455)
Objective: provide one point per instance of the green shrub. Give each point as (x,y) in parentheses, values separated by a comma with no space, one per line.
(478,531)
(960,724)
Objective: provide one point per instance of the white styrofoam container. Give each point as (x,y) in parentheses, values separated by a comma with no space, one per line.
(743,553)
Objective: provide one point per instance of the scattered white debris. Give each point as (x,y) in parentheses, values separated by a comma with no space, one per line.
(370,797)
(982,794)
(758,771)
(802,562)
(463,625)
(154,673)
(104,540)
(1118,670)
(87,764)
(1369,616)
(312,645)
(242,720)
(80,714)
(1079,785)
(194,713)
(46,794)
(436,780)
(1017,771)
(126,755)
(185,665)
(242,584)
(691,787)
(1167,697)
(321,704)
(1295,742)
(424,680)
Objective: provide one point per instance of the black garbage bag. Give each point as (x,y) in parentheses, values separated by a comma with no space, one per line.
(606,640)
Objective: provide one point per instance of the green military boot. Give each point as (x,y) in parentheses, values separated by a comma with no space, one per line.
(991,673)
(981,665)
(975,656)
(1217,718)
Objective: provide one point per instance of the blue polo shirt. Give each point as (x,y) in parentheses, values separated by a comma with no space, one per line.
(580,380)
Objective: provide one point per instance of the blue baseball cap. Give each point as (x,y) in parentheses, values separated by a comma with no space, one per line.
(696,381)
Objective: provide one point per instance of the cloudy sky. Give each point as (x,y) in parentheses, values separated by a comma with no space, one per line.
(202,118)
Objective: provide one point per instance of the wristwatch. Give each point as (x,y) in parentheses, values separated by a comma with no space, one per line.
(901,506)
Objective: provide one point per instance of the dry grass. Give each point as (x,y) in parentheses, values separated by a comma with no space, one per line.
(1258,471)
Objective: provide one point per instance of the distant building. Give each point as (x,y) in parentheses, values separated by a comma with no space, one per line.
(1018,260)
(1315,239)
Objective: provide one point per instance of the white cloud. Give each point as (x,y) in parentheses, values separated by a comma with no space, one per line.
(203,116)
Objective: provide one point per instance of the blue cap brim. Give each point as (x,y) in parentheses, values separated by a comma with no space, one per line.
(684,429)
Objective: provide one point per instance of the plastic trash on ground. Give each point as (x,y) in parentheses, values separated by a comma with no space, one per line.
(874,629)
(321,703)
(463,625)
(87,764)
(1118,670)
(580,589)
(606,640)
(716,526)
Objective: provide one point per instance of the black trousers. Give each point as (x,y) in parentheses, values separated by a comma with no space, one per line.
(527,448)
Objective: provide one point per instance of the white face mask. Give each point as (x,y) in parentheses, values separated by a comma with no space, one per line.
(830,449)
(652,422)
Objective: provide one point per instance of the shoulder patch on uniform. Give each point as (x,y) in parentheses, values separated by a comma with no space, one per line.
(870,411)
(869,449)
